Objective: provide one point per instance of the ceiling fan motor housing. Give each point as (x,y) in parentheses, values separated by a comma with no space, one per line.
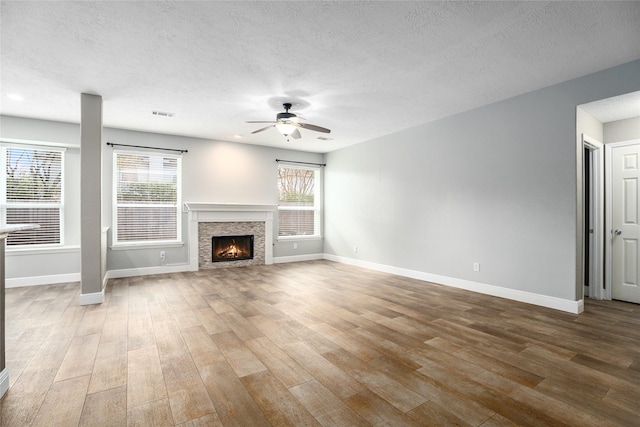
(285,116)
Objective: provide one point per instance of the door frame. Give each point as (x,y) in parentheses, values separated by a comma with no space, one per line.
(598,287)
(609,210)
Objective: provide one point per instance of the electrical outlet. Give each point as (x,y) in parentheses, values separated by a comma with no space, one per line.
(163,256)
(476,266)
(295,246)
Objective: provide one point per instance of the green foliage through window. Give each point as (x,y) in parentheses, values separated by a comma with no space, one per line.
(147,197)
(32,194)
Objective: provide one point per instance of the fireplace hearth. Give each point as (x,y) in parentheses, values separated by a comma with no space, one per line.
(231,248)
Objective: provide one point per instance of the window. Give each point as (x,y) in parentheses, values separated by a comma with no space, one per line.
(299,202)
(147,198)
(31,193)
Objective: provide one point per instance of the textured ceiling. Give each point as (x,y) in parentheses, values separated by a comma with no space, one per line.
(362,69)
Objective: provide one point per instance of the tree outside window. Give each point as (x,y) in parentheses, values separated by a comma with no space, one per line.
(32,194)
(298,201)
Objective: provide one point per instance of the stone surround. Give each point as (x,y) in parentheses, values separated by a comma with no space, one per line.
(226,219)
(208,229)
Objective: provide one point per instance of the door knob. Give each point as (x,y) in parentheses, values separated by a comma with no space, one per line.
(618,232)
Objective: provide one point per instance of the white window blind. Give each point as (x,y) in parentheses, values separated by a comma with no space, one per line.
(32,193)
(147,198)
(299,208)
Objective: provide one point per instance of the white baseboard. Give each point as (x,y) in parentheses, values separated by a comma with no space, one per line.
(297,258)
(92,298)
(42,280)
(574,307)
(145,271)
(483,288)
(4,381)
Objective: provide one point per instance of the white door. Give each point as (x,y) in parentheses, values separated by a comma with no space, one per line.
(625,233)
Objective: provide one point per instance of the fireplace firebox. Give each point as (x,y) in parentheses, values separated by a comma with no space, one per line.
(231,248)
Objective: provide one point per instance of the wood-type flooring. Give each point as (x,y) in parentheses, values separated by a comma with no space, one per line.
(309,344)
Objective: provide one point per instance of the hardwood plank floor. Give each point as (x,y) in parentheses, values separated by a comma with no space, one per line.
(313,343)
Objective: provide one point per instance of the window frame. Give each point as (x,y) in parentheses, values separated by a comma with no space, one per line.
(5,205)
(127,244)
(317,206)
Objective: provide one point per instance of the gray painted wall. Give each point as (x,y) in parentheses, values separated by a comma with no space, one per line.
(213,171)
(495,185)
(622,130)
(50,262)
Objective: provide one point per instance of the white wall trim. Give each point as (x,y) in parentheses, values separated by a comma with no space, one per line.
(4,381)
(42,280)
(228,212)
(597,260)
(522,296)
(145,271)
(67,249)
(297,258)
(92,298)
(483,288)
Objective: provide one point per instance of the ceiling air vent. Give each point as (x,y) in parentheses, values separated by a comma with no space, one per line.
(324,138)
(163,114)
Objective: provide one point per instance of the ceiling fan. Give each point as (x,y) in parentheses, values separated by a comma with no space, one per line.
(288,123)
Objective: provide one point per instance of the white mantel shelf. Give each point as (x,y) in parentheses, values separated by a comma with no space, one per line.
(226,207)
(228,212)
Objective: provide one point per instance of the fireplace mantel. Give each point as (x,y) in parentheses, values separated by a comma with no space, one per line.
(227,207)
(228,212)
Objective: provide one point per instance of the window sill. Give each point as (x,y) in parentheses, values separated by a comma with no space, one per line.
(42,250)
(139,246)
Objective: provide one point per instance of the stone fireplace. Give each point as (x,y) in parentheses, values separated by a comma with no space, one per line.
(222,220)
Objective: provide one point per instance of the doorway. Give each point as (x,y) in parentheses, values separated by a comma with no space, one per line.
(593,217)
(616,121)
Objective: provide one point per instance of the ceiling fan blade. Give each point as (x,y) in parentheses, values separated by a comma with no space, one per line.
(260,130)
(260,121)
(295,134)
(314,127)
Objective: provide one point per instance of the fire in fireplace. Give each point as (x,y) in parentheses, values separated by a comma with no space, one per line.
(231,248)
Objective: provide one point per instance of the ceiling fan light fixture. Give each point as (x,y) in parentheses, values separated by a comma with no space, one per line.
(287,124)
(285,128)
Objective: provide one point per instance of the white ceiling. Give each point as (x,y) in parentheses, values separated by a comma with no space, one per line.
(362,69)
(615,108)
